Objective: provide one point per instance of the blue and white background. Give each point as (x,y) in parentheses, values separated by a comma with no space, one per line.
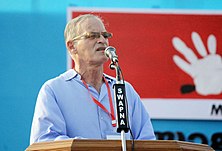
(32,50)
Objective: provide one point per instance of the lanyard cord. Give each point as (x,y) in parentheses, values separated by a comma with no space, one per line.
(111,114)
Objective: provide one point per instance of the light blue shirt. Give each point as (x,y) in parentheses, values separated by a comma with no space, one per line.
(64,110)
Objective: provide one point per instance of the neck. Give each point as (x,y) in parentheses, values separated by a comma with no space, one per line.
(91,75)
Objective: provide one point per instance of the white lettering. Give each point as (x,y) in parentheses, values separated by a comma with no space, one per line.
(121,109)
(122,115)
(120,90)
(120,97)
(122,122)
(120,103)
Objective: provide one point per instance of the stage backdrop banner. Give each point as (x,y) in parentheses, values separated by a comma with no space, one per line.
(171,57)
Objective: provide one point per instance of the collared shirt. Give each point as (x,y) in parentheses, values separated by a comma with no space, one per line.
(64,110)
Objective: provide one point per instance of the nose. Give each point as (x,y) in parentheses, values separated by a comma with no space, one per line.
(102,40)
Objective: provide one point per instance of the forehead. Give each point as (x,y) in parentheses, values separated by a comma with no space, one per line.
(92,24)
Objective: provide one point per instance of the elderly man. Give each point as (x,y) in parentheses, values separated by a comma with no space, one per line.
(80,102)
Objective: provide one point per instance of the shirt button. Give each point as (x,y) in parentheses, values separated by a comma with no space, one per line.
(101,118)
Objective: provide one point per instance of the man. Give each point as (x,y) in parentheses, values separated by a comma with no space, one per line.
(78,103)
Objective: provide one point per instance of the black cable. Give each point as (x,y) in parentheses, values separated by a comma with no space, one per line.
(131,133)
(121,74)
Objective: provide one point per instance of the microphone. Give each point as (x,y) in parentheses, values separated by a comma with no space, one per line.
(110,52)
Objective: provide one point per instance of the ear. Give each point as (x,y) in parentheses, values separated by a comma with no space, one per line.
(71,47)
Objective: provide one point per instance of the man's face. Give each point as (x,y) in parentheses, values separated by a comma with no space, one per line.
(90,51)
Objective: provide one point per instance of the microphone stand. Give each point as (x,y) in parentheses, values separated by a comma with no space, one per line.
(121,104)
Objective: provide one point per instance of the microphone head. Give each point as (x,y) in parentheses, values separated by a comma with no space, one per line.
(110,52)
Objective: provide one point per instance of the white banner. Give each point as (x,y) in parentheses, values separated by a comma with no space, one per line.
(184,109)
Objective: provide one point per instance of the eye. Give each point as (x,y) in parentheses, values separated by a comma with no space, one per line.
(106,35)
(93,35)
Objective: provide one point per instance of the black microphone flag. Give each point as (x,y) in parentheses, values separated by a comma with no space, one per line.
(121,108)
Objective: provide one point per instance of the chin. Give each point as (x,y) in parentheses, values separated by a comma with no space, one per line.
(105,60)
(99,61)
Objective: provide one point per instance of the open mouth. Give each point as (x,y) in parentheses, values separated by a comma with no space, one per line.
(101,49)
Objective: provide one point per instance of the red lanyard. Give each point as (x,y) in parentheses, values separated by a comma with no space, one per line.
(111,114)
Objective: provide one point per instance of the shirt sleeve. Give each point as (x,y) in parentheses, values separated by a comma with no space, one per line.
(141,125)
(48,122)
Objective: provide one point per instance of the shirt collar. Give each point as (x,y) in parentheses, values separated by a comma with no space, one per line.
(108,78)
(71,73)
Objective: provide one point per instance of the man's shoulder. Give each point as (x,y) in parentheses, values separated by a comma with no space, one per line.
(62,78)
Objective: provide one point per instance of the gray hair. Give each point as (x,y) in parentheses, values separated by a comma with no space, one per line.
(73,26)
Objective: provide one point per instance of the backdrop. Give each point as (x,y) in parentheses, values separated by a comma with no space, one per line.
(32,50)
